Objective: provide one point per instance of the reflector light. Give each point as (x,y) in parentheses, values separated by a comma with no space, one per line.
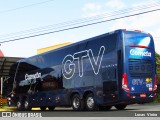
(128,95)
(133,96)
(143,95)
(155,82)
(113,96)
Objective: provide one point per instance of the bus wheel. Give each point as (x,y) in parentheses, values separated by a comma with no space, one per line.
(26,105)
(51,108)
(43,108)
(120,107)
(19,105)
(90,102)
(77,103)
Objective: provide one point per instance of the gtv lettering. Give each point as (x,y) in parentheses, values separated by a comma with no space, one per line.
(68,65)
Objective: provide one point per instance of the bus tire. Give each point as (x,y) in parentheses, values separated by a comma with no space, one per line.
(90,102)
(19,105)
(26,105)
(51,108)
(43,108)
(120,107)
(77,103)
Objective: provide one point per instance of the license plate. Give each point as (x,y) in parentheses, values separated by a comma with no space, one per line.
(142,95)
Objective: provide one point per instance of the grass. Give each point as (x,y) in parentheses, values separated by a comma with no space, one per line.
(157,100)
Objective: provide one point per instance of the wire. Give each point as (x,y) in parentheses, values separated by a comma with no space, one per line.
(10,10)
(80,26)
(75,22)
(156,37)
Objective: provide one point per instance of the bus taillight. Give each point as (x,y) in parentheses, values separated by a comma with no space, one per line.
(125,83)
(155,82)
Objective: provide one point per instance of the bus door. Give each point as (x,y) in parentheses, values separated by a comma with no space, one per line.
(110,73)
(110,86)
(110,80)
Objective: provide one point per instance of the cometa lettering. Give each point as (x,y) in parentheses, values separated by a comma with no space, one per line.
(32,76)
(140,53)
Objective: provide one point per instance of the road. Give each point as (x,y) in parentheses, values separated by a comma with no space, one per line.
(131,110)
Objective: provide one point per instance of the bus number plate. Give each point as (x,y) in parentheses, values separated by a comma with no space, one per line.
(142,95)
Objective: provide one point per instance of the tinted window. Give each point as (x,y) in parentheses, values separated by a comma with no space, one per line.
(141,39)
(108,41)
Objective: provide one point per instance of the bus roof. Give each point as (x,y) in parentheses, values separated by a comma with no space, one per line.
(80,42)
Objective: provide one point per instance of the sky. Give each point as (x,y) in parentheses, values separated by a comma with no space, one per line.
(19,16)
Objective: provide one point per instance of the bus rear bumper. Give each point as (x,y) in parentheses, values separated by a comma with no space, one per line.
(138,98)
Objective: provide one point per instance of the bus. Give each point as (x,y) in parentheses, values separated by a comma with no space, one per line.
(113,69)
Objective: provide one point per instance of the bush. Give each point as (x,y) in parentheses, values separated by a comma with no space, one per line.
(157,100)
(5,104)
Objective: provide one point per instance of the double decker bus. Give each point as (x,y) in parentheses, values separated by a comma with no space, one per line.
(112,69)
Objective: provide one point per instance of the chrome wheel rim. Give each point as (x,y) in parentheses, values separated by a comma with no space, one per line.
(18,105)
(76,103)
(90,102)
(26,105)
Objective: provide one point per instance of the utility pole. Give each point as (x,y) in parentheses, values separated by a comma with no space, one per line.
(1,86)
(1,103)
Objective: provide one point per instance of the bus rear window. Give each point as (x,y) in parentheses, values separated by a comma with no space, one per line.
(140,67)
(140,40)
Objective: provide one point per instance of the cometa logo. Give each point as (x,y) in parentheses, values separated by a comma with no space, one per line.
(33,76)
(140,53)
